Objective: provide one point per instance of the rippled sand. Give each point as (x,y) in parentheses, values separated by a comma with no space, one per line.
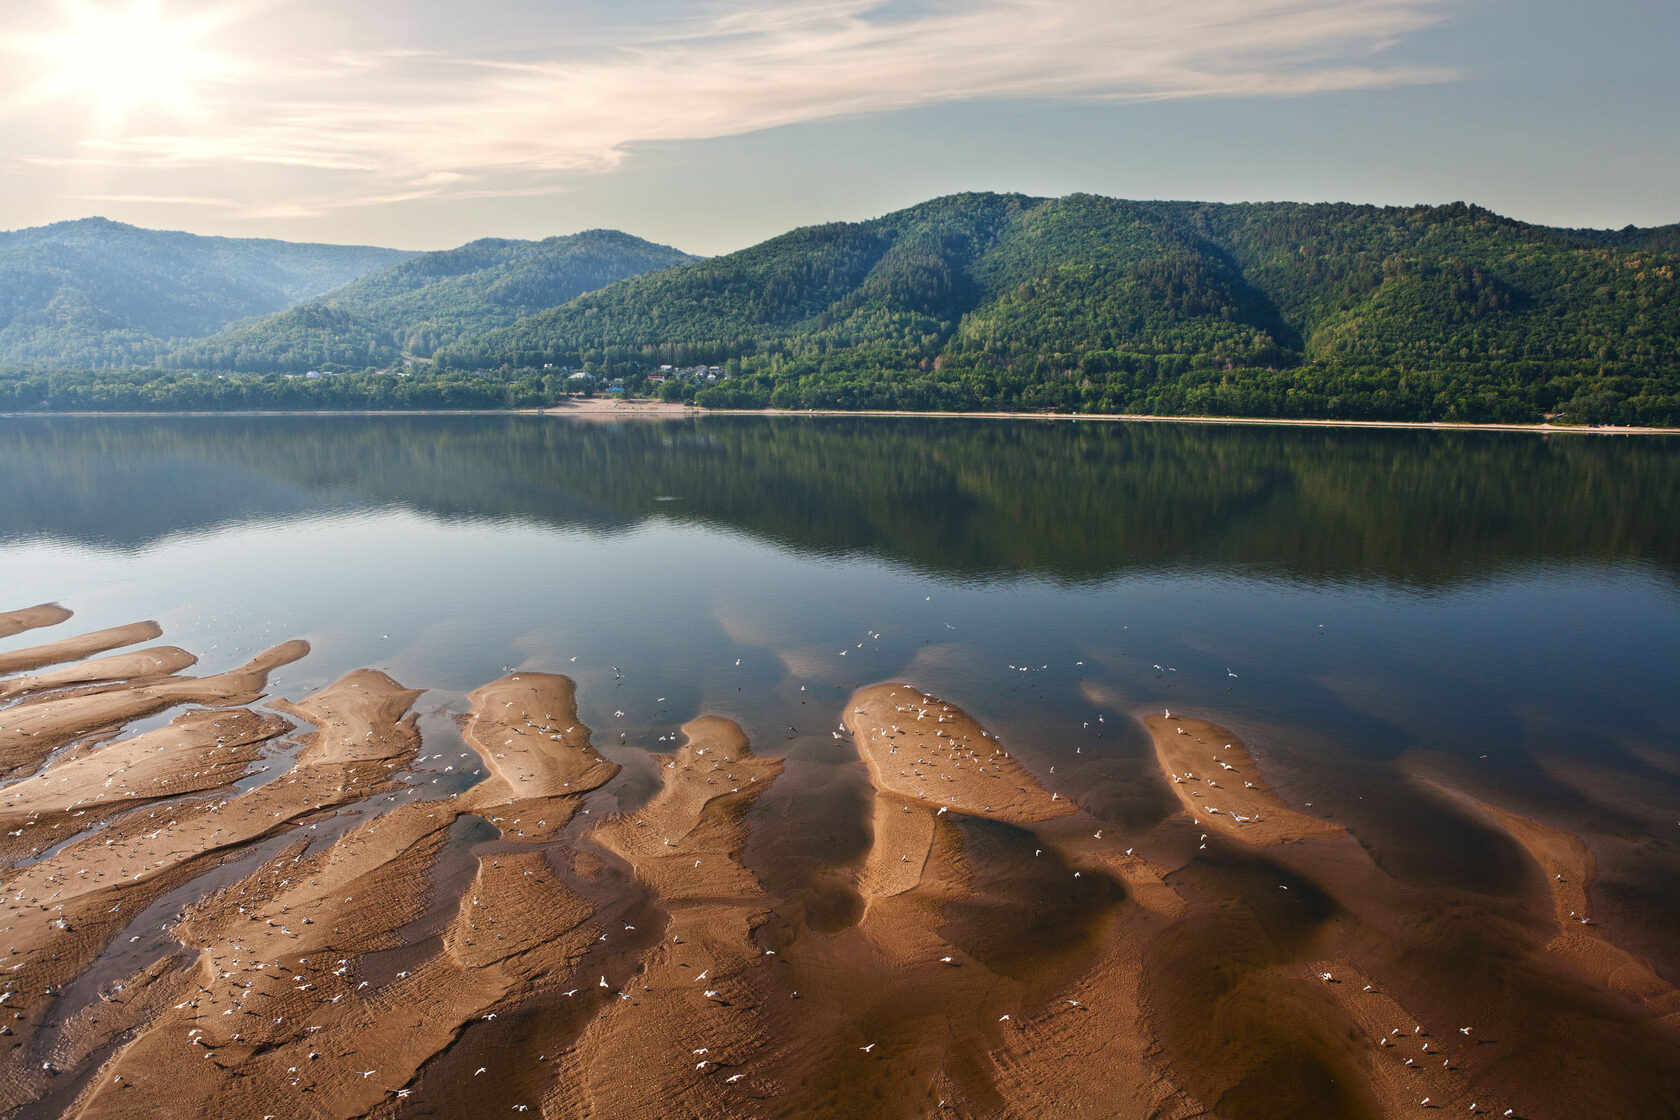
(341,935)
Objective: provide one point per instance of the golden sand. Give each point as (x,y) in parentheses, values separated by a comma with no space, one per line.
(1220,785)
(323,943)
(31,618)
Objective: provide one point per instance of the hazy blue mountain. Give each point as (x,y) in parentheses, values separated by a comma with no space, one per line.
(96,292)
(428,301)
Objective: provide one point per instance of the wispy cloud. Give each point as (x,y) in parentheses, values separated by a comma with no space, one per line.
(381,121)
(158,199)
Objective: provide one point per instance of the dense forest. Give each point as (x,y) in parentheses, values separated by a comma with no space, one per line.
(988,302)
(427,301)
(96,293)
(1088,304)
(155,390)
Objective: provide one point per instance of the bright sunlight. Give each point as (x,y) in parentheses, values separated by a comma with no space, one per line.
(123,59)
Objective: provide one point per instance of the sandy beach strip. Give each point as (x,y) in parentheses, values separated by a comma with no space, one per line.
(525,728)
(78,647)
(141,665)
(1218,782)
(33,729)
(31,618)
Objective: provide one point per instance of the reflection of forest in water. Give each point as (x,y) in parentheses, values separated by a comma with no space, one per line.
(1069,501)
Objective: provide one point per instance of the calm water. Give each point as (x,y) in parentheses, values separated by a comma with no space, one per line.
(1502,610)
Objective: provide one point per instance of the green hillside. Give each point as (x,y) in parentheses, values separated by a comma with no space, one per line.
(1096,304)
(427,301)
(99,293)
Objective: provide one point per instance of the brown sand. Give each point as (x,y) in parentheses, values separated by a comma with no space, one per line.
(31,618)
(1219,784)
(922,749)
(35,728)
(312,923)
(686,844)
(1405,1061)
(159,661)
(198,751)
(526,729)
(928,758)
(1009,956)
(1570,869)
(74,649)
(101,881)
(1061,1036)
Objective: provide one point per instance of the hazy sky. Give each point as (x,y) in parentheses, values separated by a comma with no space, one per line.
(712,124)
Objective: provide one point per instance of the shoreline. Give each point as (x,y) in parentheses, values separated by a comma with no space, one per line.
(602,409)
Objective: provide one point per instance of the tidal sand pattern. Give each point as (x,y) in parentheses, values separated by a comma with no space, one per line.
(220,902)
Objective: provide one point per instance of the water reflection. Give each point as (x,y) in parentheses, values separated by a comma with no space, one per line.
(976,500)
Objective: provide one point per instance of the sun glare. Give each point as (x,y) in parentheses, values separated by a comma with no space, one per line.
(123,59)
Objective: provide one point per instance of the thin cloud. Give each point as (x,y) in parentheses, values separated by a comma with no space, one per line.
(158,199)
(382,120)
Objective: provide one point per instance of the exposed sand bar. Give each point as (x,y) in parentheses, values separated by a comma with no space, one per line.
(92,886)
(74,649)
(1569,868)
(525,726)
(298,956)
(1219,784)
(201,750)
(920,748)
(31,618)
(158,661)
(34,728)
(706,986)
(927,757)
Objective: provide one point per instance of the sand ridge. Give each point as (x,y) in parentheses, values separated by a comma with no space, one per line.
(1218,782)
(31,618)
(920,748)
(62,910)
(526,729)
(197,751)
(701,1014)
(78,647)
(1569,868)
(298,939)
(34,728)
(136,667)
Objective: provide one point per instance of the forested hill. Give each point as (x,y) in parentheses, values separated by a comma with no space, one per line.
(427,301)
(98,293)
(1098,304)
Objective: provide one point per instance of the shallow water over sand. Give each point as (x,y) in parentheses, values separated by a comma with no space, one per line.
(1370,611)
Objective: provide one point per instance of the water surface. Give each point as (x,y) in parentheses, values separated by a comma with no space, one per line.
(1500,610)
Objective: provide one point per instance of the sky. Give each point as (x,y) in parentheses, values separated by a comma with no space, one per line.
(714,124)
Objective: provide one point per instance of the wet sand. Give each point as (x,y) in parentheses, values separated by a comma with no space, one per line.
(82,645)
(342,936)
(160,661)
(31,618)
(1220,785)
(35,728)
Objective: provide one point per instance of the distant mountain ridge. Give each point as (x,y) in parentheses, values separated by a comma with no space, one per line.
(1087,303)
(429,300)
(972,301)
(97,293)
